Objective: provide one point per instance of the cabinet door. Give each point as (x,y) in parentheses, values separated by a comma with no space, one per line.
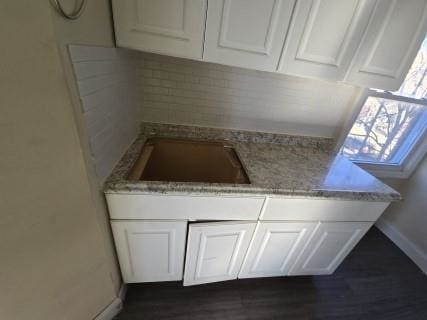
(247,33)
(390,44)
(330,243)
(323,37)
(171,27)
(150,250)
(215,251)
(275,247)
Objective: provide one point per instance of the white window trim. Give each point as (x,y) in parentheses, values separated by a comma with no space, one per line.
(413,158)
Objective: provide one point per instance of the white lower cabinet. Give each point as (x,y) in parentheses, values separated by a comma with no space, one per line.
(150,250)
(275,247)
(215,251)
(330,243)
(290,237)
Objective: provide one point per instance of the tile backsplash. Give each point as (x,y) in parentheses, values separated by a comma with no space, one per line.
(182,91)
(120,88)
(108,85)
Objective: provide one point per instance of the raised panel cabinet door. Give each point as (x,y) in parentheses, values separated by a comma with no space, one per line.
(215,251)
(323,37)
(247,33)
(171,27)
(391,42)
(330,243)
(150,250)
(275,247)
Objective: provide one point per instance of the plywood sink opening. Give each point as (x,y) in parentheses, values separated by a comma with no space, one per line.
(181,160)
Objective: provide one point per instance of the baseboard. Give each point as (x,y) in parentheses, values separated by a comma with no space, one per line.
(114,307)
(409,248)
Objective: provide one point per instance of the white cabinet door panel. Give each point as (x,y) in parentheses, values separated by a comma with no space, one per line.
(393,37)
(275,247)
(171,27)
(215,251)
(330,243)
(323,37)
(247,33)
(150,250)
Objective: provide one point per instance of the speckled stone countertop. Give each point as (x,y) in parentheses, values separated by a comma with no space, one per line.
(276,165)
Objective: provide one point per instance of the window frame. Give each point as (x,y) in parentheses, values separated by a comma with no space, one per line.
(381,170)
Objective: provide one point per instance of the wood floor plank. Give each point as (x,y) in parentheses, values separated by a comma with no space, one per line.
(376,281)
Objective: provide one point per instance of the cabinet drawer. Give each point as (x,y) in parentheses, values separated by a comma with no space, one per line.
(145,206)
(324,210)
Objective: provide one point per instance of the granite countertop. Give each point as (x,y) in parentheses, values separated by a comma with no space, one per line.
(276,165)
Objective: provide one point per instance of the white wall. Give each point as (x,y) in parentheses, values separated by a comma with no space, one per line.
(93,28)
(182,91)
(108,86)
(405,222)
(54,262)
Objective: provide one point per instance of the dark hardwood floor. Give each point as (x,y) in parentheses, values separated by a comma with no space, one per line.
(376,281)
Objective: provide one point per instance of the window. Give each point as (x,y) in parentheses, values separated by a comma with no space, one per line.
(389,135)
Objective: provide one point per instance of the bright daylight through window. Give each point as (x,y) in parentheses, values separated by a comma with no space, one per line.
(391,125)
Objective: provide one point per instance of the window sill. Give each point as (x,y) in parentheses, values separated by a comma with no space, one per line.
(384,171)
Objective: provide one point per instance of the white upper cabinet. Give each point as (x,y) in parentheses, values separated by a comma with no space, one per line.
(330,243)
(215,251)
(275,247)
(369,43)
(391,42)
(247,33)
(323,37)
(171,27)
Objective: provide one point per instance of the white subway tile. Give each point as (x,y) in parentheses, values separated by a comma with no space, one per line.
(220,95)
(160,74)
(109,91)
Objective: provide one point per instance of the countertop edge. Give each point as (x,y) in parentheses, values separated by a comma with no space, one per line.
(159,189)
